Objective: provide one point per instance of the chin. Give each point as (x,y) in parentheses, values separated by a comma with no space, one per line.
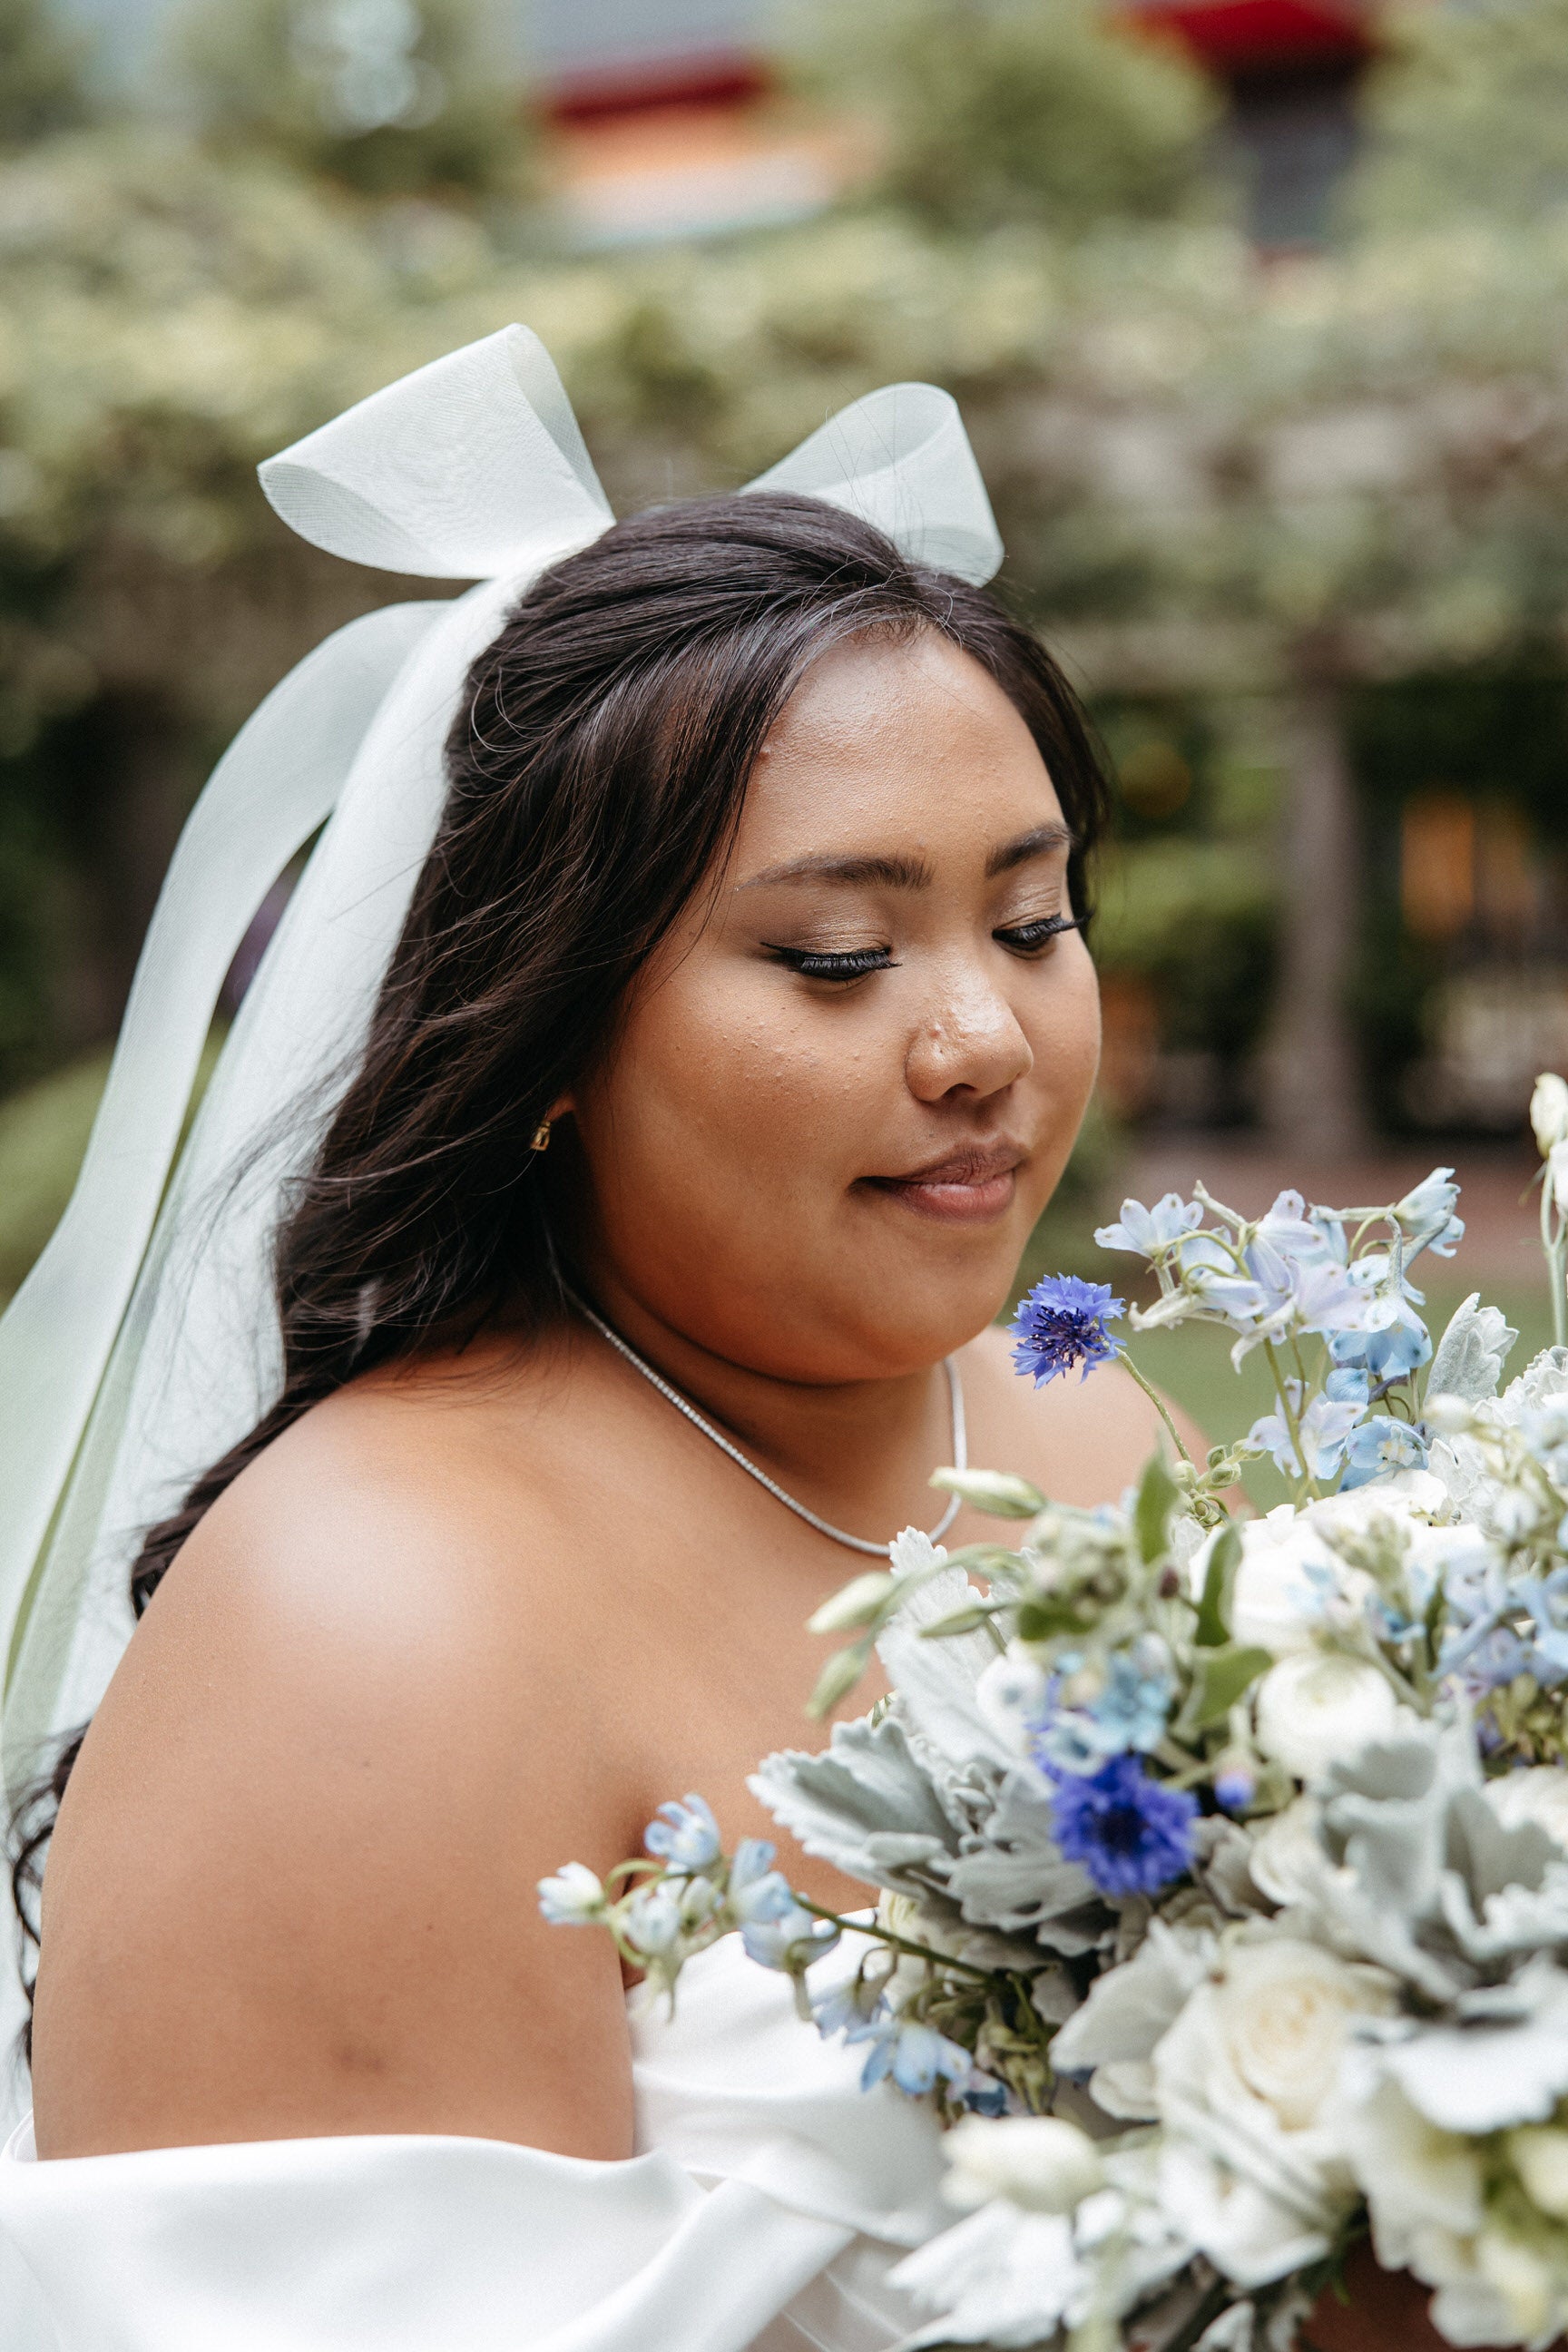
(932,1310)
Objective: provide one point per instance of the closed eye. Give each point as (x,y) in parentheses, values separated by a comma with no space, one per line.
(1028,939)
(852,963)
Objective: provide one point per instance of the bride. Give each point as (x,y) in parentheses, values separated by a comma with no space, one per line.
(593,1237)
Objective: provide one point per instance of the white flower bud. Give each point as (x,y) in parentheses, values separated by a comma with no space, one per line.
(1540,2159)
(1040,2162)
(1548,1111)
(573,1898)
(857,1603)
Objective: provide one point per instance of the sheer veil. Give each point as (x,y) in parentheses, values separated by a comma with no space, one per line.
(144,1342)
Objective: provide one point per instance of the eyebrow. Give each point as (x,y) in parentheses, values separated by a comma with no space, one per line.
(897,873)
(1040,842)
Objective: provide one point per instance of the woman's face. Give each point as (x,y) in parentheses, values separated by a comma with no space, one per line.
(844,1089)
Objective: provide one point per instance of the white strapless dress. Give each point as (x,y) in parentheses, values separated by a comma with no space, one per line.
(769,2199)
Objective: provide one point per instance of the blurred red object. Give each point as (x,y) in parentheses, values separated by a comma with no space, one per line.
(1241,36)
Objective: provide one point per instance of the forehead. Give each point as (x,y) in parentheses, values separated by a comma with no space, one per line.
(912,739)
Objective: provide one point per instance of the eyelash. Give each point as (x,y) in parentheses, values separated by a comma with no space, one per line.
(1025,939)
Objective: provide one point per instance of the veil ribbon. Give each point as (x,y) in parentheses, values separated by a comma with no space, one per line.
(144,1341)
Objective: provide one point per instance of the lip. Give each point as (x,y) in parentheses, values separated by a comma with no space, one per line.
(968,1187)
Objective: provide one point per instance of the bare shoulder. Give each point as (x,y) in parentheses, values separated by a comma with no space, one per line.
(293,1886)
(1081,1441)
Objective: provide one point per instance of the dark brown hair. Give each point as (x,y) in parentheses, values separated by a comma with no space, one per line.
(597,765)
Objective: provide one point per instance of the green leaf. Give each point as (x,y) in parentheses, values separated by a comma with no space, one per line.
(961,1621)
(988,1560)
(1158,1495)
(837,1679)
(1214,1610)
(1043,1621)
(1223,1677)
(996,1492)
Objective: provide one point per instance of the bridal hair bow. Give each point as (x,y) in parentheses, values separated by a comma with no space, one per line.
(144,1342)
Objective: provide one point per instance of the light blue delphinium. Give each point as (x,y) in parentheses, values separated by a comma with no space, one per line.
(1326,1427)
(1129,1712)
(776,1931)
(917,2056)
(1147,1233)
(652,1921)
(1393,1340)
(1380,1444)
(1061,1323)
(686,1835)
(1426,1218)
(790,1941)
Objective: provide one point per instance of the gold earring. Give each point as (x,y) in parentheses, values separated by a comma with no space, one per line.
(541,1137)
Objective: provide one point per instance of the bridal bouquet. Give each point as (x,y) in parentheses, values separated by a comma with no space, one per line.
(1221,1864)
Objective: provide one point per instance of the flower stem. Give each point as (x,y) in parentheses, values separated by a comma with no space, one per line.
(894,1943)
(1293,1423)
(1552,1236)
(1158,1402)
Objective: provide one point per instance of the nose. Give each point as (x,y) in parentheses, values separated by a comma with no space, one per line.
(969,1041)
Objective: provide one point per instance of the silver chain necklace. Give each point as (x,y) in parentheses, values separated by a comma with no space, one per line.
(823,1527)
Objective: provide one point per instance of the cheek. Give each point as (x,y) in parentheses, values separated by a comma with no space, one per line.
(1063,1028)
(716,1089)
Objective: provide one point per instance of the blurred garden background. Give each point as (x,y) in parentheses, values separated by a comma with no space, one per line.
(1258,311)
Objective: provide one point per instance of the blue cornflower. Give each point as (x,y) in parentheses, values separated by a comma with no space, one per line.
(1061,1323)
(686,1835)
(1131,1834)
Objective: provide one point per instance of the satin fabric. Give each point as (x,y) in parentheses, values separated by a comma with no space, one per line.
(769,2199)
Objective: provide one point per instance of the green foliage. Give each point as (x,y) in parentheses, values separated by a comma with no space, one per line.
(40,74)
(1197,918)
(393,96)
(1466,116)
(1037,111)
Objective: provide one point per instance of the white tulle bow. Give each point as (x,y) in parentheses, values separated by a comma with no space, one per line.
(474,466)
(144,1341)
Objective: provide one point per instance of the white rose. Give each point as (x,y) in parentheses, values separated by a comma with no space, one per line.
(1040,2162)
(1423,2186)
(1288,1585)
(1538,1794)
(1244,2081)
(1319,1706)
(1287,1861)
(1283,2011)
